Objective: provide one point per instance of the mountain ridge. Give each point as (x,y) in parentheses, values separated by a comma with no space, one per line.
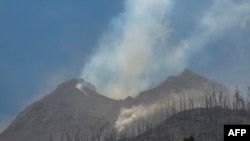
(75,105)
(181,84)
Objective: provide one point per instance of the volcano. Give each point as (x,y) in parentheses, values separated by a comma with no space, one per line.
(75,107)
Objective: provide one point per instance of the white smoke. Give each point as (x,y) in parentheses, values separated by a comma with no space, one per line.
(80,87)
(172,101)
(131,54)
(129,115)
(217,21)
(136,54)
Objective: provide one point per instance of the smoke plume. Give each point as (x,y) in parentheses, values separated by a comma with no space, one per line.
(129,55)
(136,52)
(129,115)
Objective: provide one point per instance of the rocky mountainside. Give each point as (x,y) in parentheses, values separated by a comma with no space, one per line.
(75,107)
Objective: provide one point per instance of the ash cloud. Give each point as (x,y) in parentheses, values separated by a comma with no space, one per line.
(136,53)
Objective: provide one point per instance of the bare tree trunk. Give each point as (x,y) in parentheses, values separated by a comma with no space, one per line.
(184,102)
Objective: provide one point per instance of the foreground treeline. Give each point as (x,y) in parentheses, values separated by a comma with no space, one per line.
(202,118)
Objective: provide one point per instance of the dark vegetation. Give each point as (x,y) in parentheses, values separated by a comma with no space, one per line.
(186,123)
(191,138)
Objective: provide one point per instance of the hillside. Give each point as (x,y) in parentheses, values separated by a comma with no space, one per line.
(186,83)
(72,107)
(204,124)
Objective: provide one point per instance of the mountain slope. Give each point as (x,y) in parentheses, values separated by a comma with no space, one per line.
(186,83)
(184,91)
(205,124)
(71,107)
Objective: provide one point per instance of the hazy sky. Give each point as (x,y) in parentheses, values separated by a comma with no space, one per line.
(43,43)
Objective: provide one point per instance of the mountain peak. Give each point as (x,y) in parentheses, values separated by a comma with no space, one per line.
(70,83)
(187,72)
(74,83)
